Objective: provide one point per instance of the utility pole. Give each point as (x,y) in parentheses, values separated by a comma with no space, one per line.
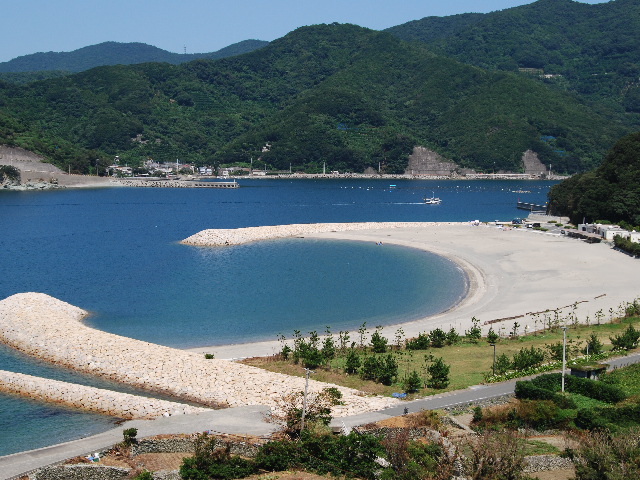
(564,354)
(494,358)
(304,399)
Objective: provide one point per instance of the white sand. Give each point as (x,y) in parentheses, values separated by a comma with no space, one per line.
(512,273)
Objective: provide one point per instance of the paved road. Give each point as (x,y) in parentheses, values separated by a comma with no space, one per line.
(246,420)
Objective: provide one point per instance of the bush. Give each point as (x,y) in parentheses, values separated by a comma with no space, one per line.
(475,332)
(352,363)
(594,345)
(412,383)
(528,358)
(627,341)
(210,460)
(438,374)
(597,390)
(378,342)
(129,437)
(600,455)
(438,338)
(421,342)
(380,369)
(452,337)
(492,336)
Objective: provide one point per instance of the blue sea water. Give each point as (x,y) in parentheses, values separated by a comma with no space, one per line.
(115,252)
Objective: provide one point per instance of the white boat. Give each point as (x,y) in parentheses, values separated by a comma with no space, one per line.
(433,200)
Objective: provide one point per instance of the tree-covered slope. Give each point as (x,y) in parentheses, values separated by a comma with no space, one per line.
(593,50)
(115,53)
(611,192)
(339,94)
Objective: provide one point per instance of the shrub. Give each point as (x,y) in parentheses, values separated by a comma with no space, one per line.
(597,390)
(492,336)
(627,341)
(412,383)
(594,345)
(475,332)
(421,342)
(380,369)
(129,436)
(438,338)
(210,460)
(503,364)
(528,358)
(438,374)
(601,455)
(378,342)
(209,356)
(277,456)
(288,411)
(352,363)
(452,337)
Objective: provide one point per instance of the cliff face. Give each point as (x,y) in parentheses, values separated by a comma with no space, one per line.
(532,164)
(427,162)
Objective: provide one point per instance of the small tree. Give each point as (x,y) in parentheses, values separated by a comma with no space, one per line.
(129,436)
(353,362)
(452,337)
(503,364)
(594,345)
(438,338)
(438,374)
(378,342)
(492,336)
(627,341)
(288,410)
(412,383)
(475,332)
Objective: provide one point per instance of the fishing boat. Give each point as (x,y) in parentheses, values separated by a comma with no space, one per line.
(433,200)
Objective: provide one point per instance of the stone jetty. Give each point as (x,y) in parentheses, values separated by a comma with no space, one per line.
(117,404)
(237,236)
(52,330)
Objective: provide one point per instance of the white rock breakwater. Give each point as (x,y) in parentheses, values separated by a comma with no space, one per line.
(99,400)
(238,236)
(52,330)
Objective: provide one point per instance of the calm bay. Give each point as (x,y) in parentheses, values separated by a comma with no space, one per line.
(115,252)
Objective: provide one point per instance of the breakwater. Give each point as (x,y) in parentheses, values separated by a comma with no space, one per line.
(52,330)
(237,236)
(116,404)
(175,184)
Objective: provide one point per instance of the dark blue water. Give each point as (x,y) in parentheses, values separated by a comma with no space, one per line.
(115,252)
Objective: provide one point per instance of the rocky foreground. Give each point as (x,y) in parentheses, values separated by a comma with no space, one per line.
(52,330)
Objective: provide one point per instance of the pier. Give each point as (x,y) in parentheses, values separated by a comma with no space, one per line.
(532,207)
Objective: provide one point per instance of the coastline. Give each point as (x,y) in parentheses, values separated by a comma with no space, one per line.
(514,275)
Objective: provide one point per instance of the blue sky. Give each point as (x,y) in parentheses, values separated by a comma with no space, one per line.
(30,26)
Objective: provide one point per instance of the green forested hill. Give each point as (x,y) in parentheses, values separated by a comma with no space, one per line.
(114,53)
(339,94)
(593,50)
(611,192)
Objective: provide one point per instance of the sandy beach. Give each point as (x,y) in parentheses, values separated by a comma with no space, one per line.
(513,274)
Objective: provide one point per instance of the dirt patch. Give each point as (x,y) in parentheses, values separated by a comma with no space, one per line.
(160,461)
(564,474)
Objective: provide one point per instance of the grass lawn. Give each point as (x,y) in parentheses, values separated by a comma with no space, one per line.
(469,362)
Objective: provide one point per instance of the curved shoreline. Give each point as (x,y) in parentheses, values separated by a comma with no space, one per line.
(514,274)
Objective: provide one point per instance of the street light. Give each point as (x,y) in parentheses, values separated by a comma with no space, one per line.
(564,354)
(494,358)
